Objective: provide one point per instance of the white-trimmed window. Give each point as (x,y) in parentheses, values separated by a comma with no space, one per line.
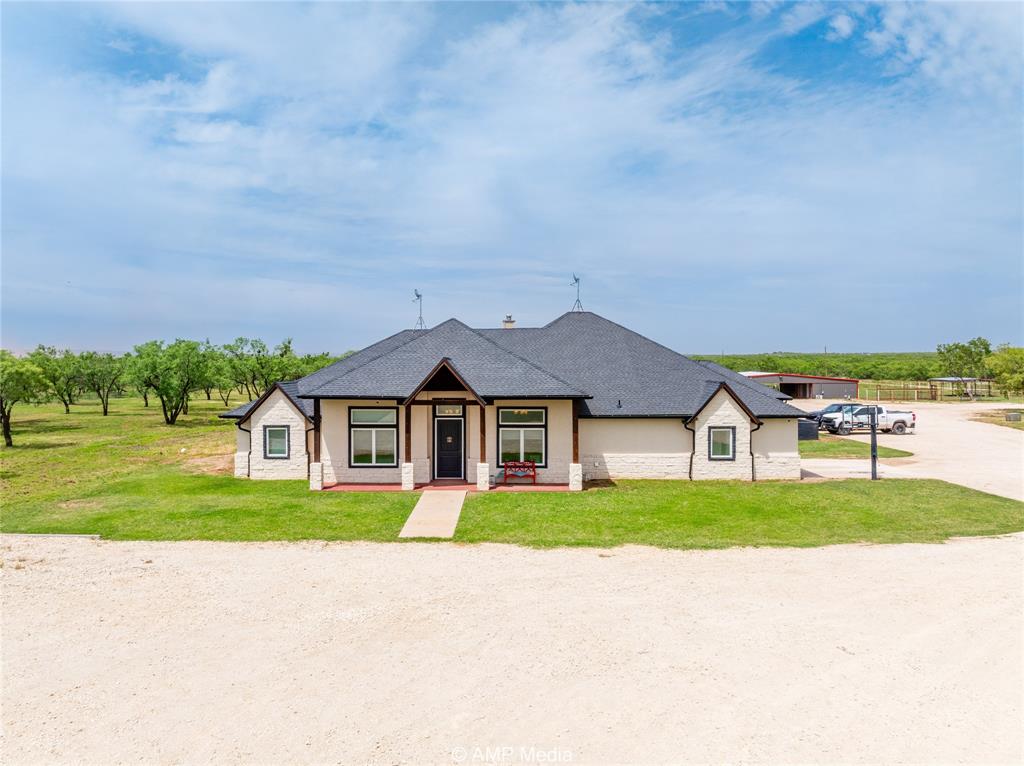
(276,444)
(522,434)
(722,443)
(373,437)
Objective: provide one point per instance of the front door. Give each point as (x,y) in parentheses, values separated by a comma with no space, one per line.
(448,448)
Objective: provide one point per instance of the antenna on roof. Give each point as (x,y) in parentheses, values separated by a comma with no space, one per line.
(577,306)
(420,324)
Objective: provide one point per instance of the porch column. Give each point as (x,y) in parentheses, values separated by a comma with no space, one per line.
(408,470)
(575,468)
(316,468)
(483,469)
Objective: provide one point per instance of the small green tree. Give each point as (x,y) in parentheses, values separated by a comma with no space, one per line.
(221,376)
(964,360)
(173,372)
(62,372)
(1007,366)
(21,380)
(101,373)
(140,370)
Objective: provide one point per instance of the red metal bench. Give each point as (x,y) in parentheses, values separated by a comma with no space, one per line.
(520,469)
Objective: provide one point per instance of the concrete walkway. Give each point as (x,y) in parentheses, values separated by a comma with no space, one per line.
(435,515)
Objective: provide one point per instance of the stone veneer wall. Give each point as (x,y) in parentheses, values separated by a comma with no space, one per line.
(634,448)
(722,410)
(776,450)
(278,410)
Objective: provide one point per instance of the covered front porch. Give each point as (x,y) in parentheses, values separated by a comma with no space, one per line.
(444,434)
(446,485)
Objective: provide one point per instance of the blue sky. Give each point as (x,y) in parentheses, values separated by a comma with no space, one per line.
(725,177)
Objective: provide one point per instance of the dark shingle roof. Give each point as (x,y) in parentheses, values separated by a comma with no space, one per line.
(488,369)
(289,388)
(627,374)
(617,372)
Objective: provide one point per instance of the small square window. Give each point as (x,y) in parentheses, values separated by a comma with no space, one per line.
(275,442)
(722,443)
(448,410)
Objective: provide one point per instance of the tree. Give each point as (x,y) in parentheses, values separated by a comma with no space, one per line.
(1007,366)
(141,368)
(964,360)
(221,375)
(171,372)
(62,372)
(21,380)
(101,373)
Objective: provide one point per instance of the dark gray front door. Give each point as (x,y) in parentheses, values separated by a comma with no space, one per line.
(448,453)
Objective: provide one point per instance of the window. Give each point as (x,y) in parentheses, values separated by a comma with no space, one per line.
(522,435)
(373,437)
(448,410)
(276,442)
(722,443)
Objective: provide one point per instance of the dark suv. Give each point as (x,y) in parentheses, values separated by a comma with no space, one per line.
(817,414)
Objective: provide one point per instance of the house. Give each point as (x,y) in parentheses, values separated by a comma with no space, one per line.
(581,397)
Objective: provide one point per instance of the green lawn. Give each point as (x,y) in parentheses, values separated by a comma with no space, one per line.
(126,477)
(675,514)
(828,445)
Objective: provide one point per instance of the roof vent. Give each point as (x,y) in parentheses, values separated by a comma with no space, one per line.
(508,322)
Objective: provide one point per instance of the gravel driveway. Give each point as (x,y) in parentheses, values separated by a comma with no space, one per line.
(390,653)
(948,445)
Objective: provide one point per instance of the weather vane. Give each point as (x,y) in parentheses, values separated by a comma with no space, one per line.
(420,324)
(577,306)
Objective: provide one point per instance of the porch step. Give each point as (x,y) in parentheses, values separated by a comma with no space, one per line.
(436,514)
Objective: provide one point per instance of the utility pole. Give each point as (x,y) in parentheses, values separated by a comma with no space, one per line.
(874,442)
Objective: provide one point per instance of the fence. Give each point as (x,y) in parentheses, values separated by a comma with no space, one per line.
(925,391)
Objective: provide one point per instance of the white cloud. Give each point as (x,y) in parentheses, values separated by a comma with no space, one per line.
(370,149)
(967,46)
(840,27)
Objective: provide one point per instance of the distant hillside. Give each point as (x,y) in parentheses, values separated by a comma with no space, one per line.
(914,365)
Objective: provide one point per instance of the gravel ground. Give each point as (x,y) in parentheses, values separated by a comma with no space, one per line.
(388,653)
(948,445)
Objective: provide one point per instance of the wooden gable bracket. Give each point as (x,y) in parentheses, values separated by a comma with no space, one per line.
(445,363)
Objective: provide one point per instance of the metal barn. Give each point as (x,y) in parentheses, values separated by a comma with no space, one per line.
(808,386)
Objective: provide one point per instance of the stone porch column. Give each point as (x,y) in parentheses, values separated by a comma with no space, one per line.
(241,465)
(483,477)
(575,477)
(316,476)
(408,482)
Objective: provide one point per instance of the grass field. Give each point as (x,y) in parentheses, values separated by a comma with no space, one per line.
(828,446)
(721,514)
(125,477)
(128,476)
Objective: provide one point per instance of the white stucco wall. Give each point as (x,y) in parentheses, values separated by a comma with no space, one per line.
(559,437)
(334,446)
(722,410)
(277,410)
(776,450)
(635,448)
(656,448)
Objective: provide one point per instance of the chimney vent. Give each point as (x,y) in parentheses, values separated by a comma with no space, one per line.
(508,322)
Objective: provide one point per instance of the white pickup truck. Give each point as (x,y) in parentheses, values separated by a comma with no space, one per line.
(857,417)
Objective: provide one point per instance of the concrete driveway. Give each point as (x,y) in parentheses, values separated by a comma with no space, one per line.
(947,445)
